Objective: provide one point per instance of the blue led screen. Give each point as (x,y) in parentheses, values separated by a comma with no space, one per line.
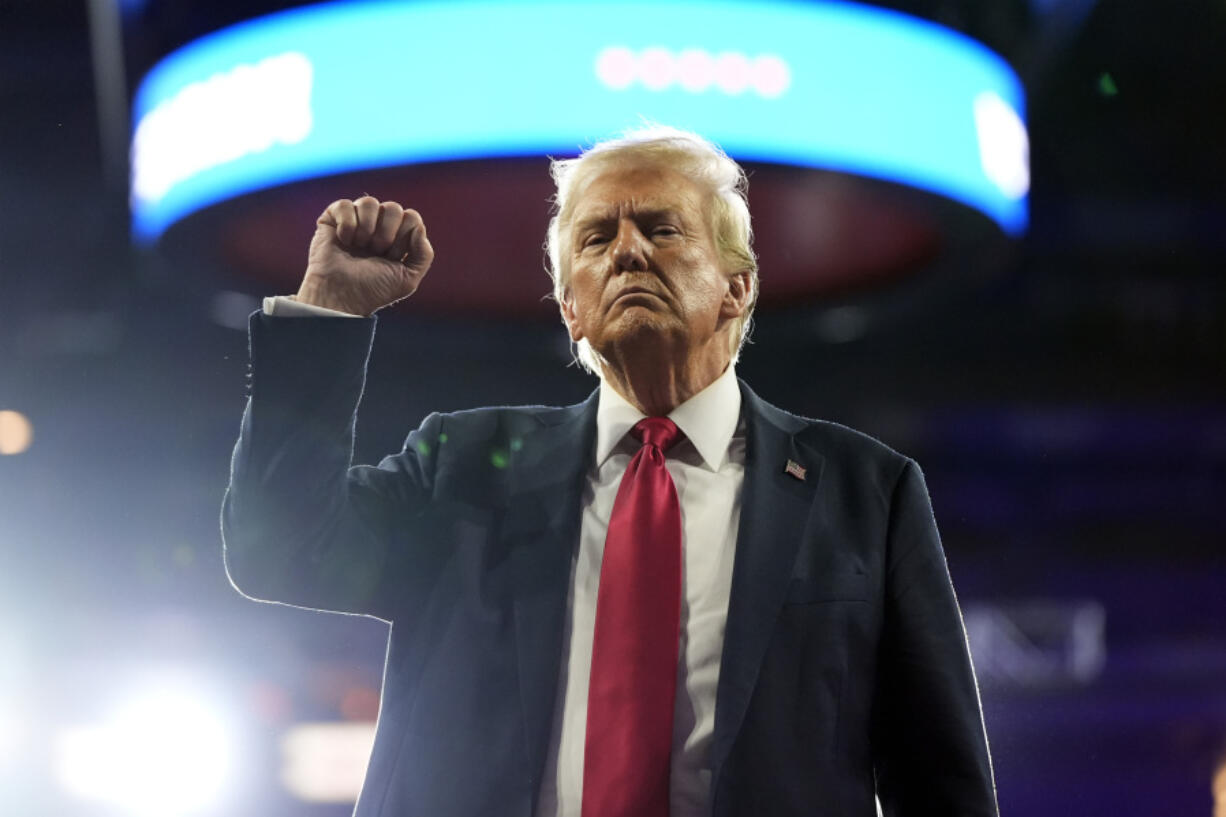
(345,86)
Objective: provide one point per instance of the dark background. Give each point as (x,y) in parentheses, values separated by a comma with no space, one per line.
(1070,414)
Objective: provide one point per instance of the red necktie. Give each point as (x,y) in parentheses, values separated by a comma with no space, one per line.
(634,650)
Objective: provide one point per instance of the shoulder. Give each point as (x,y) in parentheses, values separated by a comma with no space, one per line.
(838,439)
(842,448)
(478,431)
(482,456)
(524,419)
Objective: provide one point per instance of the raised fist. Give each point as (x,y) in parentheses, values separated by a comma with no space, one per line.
(365,255)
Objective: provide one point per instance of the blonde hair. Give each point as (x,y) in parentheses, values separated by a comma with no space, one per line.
(697,158)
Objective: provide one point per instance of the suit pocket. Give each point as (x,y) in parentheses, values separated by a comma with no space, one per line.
(832,587)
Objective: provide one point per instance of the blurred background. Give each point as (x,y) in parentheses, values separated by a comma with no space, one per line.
(1060,379)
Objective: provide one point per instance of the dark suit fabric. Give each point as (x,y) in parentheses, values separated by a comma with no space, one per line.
(844,669)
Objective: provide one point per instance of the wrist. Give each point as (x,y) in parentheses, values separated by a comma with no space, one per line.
(317,292)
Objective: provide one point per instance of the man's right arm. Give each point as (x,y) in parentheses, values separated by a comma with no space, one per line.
(299,524)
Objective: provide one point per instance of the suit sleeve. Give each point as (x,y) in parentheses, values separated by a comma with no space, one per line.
(300,525)
(930,747)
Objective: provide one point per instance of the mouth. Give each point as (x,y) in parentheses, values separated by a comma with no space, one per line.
(639,293)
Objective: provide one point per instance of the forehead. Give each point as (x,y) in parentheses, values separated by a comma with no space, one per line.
(639,186)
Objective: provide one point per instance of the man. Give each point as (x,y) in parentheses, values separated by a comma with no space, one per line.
(673,598)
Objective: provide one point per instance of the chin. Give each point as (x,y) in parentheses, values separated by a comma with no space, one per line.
(638,327)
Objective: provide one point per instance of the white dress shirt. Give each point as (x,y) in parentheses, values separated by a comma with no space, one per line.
(708,468)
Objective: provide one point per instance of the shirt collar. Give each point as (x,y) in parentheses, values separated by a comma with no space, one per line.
(708,419)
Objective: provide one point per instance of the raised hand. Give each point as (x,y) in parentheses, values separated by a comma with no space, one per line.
(365,255)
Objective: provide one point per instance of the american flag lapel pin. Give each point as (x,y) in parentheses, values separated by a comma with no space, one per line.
(795,469)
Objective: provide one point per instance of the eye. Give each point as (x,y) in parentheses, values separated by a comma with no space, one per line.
(595,239)
(665,231)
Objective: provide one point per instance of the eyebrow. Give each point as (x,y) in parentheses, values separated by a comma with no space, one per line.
(648,213)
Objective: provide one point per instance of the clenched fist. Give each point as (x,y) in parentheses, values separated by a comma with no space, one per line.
(365,255)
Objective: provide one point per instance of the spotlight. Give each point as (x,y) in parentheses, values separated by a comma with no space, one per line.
(164,754)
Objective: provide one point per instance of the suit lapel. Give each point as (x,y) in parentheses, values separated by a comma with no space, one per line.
(546,478)
(775,509)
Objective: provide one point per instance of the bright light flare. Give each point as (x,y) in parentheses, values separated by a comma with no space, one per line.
(14,716)
(161,755)
(16,432)
(326,762)
(231,114)
(1004,145)
(10,735)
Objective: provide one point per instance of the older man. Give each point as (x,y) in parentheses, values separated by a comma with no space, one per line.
(673,598)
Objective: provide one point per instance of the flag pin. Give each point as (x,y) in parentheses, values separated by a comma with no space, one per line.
(795,469)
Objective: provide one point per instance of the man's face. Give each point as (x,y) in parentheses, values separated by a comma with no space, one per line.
(644,268)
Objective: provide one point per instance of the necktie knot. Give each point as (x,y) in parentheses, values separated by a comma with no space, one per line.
(658,431)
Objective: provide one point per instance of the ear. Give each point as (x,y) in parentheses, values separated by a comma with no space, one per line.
(567,306)
(739,294)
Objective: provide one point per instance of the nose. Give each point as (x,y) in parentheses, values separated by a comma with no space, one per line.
(630,248)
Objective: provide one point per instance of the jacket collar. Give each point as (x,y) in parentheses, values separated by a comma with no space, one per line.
(782,474)
(708,419)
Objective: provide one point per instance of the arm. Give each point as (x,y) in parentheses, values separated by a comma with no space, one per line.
(930,747)
(299,524)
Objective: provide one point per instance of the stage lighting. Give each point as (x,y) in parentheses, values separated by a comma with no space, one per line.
(326,762)
(163,754)
(16,432)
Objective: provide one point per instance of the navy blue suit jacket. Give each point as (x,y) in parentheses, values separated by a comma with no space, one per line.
(844,672)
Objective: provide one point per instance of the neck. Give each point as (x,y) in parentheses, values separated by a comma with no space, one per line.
(656,385)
